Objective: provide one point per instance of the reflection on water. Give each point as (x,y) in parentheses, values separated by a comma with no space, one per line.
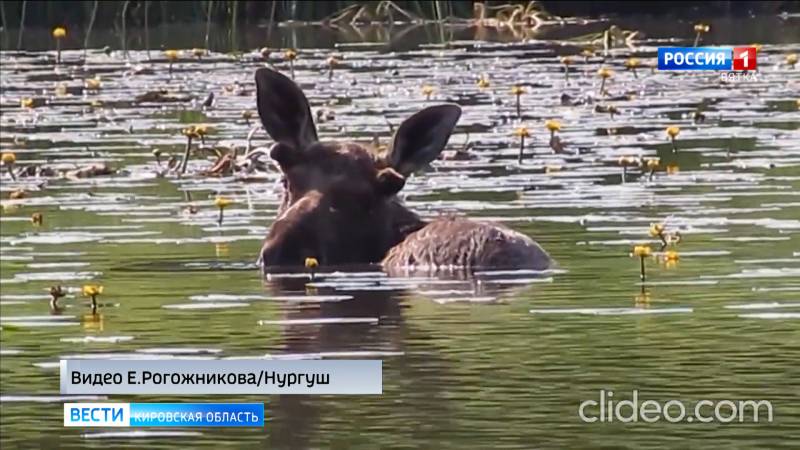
(471,360)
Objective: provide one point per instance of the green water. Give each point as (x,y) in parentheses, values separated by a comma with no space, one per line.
(456,374)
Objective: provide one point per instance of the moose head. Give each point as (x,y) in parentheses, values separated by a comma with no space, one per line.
(340,203)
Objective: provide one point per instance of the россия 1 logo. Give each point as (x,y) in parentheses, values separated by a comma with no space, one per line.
(707,58)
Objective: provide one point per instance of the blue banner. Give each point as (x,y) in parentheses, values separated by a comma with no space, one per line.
(197,415)
(163,414)
(695,58)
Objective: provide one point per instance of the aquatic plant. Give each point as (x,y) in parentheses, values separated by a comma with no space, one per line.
(625,162)
(652,165)
(56,293)
(631,64)
(17,194)
(332,63)
(700,29)
(657,230)
(157,154)
(311,264)
(37,219)
(172,56)
(518,91)
(483,82)
(8,160)
(791,60)
(93,291)
(427,91)
(587,53)
(566,61)
(522,132)
(92,84)
(604,73)
(59,33)
(552,126)
(670,256)
(290,55)
(222,203)
(642,252)
(672,169)
(672,133)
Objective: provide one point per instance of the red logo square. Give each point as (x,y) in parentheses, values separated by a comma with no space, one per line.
(744,58)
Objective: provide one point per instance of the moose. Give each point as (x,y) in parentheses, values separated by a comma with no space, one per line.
(340,203)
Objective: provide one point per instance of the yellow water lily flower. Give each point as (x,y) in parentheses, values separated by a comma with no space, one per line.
(17,194)
(59,32)
(26,102)
(552,125)
(670,256)
(673,132)
(632,63)
(428,90)
(522,132)
(642,251)
(92,83)
(92,290)
(37,219)
(8,158)
(517,90)
(311,263)
(290,54)
(483,82)
(171,54)
(605,72)
(702,28)
(199,52)
(791,59)
(657,229)
(222,202)
(672,169)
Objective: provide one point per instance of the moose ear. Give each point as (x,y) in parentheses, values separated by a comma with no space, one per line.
(421,138)
(284,110)
(390,182)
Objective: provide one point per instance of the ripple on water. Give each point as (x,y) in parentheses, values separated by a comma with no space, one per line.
(771,305)
(613,311)
(49,398)
(321,355)
(771,315)
(97,339)
(179,351)
(140,434)
(206,306)
(321,321)
(38,321)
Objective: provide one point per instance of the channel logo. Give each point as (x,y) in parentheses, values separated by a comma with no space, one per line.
(707,58)
(163,414)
